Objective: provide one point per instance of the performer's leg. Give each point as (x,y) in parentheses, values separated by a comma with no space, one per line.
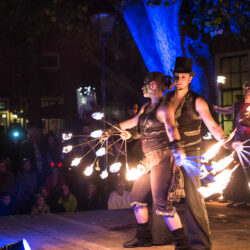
(196,214)
(138,194)
(161,182)
(141,214)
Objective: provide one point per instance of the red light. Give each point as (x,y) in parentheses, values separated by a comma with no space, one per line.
(59,164)
(52,164)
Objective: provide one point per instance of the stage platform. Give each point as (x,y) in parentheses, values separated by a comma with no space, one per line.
(103,229)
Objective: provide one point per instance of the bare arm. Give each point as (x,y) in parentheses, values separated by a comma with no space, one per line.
(203,110)
(133,121)
(225,111)
(166,114)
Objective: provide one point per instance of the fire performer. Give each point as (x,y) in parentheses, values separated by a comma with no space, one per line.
(241,110)
(159,163)
(186,110)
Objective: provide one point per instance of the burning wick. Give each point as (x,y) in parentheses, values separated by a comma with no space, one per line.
(96,133)
(67,149)
(66,137)
(97,115)
(115,167)
(89,170)
(75,162)
(104,174)
(100,152)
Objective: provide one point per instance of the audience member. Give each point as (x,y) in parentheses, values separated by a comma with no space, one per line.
(31,149)
(52,151)
(26,183)
(40,206)
(44,191)
(119,198)
(67,199)
(91,200)
(54,181)
(7,204)
(6,178)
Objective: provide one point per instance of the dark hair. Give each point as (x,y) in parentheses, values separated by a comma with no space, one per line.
(163,81)
(246,84)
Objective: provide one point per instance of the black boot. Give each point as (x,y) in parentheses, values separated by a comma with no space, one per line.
(181,240)
(142,239)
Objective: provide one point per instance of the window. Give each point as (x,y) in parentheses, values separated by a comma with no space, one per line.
(235,69)
(52,114)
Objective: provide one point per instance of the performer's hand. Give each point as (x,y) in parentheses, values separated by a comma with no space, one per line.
(125,135)
(237,146)
(105,135)
(215,108)
(179,156)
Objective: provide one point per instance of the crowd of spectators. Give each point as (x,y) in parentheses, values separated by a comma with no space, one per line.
(36,178)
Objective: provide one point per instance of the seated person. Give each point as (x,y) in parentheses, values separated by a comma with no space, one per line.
(92,199)
(67,199)
(7,204)
(40,206)
(119,198)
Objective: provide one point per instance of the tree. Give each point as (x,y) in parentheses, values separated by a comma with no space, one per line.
(207,18)
(166,29)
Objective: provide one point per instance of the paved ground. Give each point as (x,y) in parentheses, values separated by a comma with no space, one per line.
(102,230)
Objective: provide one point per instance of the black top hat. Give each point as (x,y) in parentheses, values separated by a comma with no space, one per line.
(184,65)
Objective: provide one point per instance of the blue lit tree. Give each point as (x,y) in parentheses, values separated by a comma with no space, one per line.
(166,29)
(158,36)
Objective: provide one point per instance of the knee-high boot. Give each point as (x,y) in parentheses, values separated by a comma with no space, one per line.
(142,238)
(181,240)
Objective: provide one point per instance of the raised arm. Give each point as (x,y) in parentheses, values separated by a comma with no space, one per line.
(224,111)
(133,121)
(202,108)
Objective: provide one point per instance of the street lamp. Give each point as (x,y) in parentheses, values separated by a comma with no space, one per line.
(102,20)
(221,79)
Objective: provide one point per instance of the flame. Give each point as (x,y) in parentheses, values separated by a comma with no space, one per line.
(104,174)
(66,137)
(97,115)
(222,164)
(203,172)
(115,167)
(134,173)
(96,133)
(100,152)
(220,183)
(89,170)
(67,149)
(212,151)
(221,197)
(75,162)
